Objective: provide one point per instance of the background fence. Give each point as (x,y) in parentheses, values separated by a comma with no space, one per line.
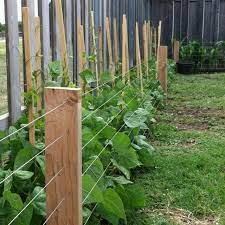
(181,19)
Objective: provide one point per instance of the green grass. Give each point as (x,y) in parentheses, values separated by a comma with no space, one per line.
(187,183)
(3,77)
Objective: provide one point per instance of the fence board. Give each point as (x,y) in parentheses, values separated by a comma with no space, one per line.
(43,10)
(13,63)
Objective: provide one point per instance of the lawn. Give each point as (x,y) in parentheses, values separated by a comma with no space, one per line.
(3,77)
(186,184)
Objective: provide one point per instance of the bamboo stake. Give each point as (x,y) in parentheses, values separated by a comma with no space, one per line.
(38,61)
(100,52)
(145,45)
(62,36)
(159,43)
(115,41)
(138,59)
(150,39)
(124,68)
(159,35)
(95,50)
(155,41)
(127,52)
(28,62)
(109,43)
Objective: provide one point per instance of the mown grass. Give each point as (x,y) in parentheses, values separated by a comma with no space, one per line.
(187,183)
(3,79)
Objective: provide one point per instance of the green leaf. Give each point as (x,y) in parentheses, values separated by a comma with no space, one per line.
(146,156)
(125,171)
(12,130)
(22,157)
(142,141)
(87,76)
(121,142)
(135,119)
(14,200)
(8,182)
(91,195)
(132,195)
(129,159)
(113,203)
(120,180)
(25,217)
(107,215)
(95,170)
(39,203)
(23,175)
(41,161)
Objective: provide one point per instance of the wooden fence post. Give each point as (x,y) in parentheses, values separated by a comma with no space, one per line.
(159,35)
(109,44)
(115,36)
(155,41)
(176,51)
(62,36)
(63,156)
(124,61)
(138,59)
(100,51)
(13,63)
(145,45)
(162,66)
(38,61)
(127,51)
(94,50)
(81,54)
(28,63)
(149,39)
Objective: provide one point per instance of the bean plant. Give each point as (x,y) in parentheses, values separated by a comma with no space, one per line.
(109,160)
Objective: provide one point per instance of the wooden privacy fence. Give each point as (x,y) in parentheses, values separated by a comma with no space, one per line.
(55,34)
(63,122)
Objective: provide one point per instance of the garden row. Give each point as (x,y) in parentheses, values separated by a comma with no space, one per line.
(40,155)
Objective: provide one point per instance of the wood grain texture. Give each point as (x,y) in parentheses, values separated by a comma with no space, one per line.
(28,63)
(65,154)
(145,46)
(109,45)
(94,50)
(62,37)
(162,66)
(138,59)
(100,52)
(115,37)
(176,51)
(38,62)
(13,61)
(124,61)
(43,11)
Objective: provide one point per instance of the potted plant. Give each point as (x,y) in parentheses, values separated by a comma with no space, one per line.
(189,57)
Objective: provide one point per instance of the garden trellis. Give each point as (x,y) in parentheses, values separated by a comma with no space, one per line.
(64,124)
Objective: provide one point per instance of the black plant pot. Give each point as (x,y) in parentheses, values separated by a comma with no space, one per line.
(185,67)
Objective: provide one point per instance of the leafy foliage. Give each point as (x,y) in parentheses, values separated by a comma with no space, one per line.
(121,119)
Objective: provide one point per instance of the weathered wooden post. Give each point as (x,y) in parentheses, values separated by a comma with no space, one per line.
(64,156)
(109,44)
(28,64)
(38,61)
(162,66)
(138,59)
(176,51)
